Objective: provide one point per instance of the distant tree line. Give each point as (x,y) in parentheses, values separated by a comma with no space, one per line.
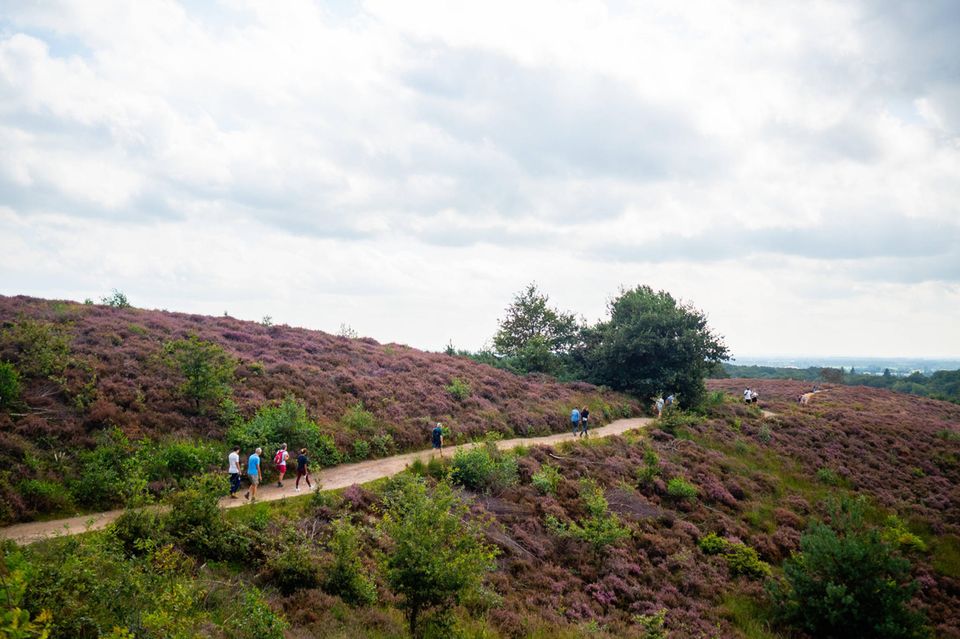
(650,344)
(943,385)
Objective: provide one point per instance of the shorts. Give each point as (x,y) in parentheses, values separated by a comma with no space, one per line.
(302,471)
(436,444)
(281,468)
(254,480)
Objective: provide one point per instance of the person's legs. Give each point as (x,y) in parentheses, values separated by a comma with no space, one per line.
(283,471)
(234,484)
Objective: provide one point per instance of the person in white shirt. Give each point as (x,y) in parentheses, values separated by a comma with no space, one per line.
(746,396)
(234,459)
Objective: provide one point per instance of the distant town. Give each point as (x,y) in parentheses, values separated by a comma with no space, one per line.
(897,366)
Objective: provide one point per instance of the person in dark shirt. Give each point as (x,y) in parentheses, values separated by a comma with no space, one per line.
(584,416)
(303,469)
(437,438)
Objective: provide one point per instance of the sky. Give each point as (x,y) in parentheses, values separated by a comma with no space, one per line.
(405,168)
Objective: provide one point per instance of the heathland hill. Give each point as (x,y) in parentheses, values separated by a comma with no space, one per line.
(88,371)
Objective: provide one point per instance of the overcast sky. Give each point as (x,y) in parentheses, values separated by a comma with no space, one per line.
(793,169)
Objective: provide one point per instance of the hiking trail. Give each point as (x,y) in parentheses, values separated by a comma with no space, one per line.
(332,478)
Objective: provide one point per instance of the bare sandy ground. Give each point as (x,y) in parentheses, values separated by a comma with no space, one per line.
(330,478)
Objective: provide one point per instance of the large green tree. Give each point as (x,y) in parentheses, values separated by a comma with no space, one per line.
(534,334)
(436,553)
(652,344)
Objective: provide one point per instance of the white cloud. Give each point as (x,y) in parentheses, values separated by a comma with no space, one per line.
(405,167)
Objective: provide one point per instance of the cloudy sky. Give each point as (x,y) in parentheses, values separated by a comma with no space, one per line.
(793,169)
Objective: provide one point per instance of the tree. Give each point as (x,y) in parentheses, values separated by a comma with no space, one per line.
(436,554)
(848,581)
(652,344)
(535,333)
(207,369)
(833,375)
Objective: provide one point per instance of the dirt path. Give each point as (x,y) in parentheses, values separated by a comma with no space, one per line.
(330,478)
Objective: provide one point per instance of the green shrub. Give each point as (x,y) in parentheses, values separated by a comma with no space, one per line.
(740,558)
(252,618)
(286,423)
(673,419)
(459,389)
(828,476)
(101,480)
(207,370)
(436,467)
(115,300)
(292,568)
(847,581)
(345,576)
(45,496)
(650,469)
(680,489)
(9,385)
(195,520)
(896,534)
(600,528)
(42,349)
(361,450)
(16,621)
(359,420)
(546,479)
(652,625)
(177,459)
(135,526)
(765,434)
(382,445)
(484,468)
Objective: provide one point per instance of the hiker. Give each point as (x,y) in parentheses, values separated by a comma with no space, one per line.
(575,420)
(660,404)
(746,395)
(670,400)
(436,438)
(233,460)
(584,416)
(754,396)
(253,475)
(302,470)
(280,461)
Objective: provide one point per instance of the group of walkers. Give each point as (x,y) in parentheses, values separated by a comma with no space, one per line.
(255,470)
(580,419)
(662,403)
(750,396)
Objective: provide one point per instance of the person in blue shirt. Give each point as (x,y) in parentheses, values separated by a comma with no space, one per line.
(575,420)
(436,438)
(254,475)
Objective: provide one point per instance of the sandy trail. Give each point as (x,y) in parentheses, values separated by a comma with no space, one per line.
(330,478)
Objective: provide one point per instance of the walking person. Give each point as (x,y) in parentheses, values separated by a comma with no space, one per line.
(754,396)
(436,438)
(746,395)
(280,460)
(253,475)
(233,460)
(584,416)
(303,470)
(575,420)
(660,404)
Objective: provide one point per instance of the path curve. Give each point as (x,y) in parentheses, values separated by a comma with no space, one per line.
(329,478)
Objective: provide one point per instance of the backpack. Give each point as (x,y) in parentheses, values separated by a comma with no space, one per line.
(278,458)
(575,415)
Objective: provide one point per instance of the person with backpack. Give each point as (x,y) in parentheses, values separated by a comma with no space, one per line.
(280,461)
(302,470)
(436,438)
(254,475)
(233,460)
(575,420)
(659,405)
(584,416)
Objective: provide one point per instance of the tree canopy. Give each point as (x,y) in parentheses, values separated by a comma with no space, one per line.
(534,333)
(652,344)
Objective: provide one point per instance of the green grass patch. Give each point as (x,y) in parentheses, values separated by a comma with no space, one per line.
(946,555)
(748,616)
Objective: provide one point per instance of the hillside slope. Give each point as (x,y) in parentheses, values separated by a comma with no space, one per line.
(115,376)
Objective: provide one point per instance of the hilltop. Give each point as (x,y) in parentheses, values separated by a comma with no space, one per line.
(109,386)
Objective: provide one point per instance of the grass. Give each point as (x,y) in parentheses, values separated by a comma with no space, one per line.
(946,555)
(750,619)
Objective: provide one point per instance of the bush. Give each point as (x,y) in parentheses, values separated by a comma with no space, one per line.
(345,576)
(9,385)
(484,468)
(673,419)
(101,479)
(176,460)
(135,526)
(828,476)
(43,349)
(361,450)
(45,496)
(382,445)
(286,423)
(459,389)
(115,300)
(847,581)
(253,619)
(359,420)
(292,568)
(195,520)
(600,529)
(650,469)
(741,559)
(680,489)
(546,479)
(206,368)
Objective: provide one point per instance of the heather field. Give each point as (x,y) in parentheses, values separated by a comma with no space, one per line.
(94,378)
